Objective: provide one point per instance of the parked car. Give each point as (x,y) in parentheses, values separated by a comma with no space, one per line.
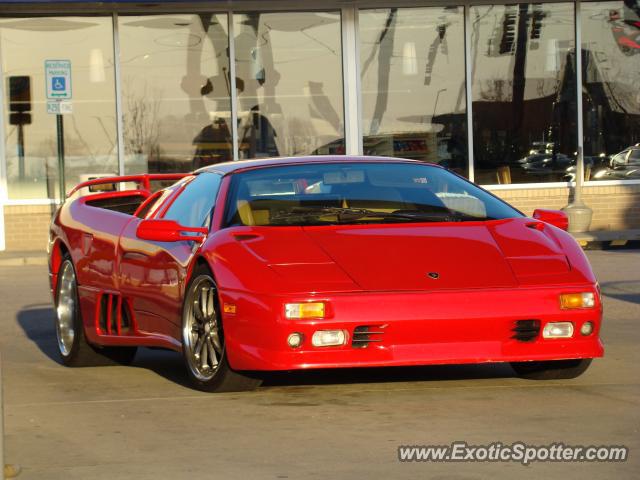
(622,166)
(318,262)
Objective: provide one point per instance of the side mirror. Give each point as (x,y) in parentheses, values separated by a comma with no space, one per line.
(169,231)
(557,218)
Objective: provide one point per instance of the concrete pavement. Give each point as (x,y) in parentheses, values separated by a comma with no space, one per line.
(143,422)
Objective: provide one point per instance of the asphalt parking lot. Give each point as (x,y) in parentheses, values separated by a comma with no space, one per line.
(143,422)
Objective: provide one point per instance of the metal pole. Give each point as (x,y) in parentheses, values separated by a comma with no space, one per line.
(579,214)
(469,88)
(235,142)
(579,123)
(60,134)
(351,81)
(21,152)
(118,84)
(577,194)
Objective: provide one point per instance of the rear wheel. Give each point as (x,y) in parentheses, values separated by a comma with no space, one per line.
(203,340)
(551,370)
(72,345)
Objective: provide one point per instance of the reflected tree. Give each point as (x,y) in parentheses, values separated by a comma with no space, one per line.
(141,121)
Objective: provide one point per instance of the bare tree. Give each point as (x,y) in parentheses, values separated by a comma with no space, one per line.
(141,120)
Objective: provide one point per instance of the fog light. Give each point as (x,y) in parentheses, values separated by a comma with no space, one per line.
(295,340)
(577,300)
(558,330)
(328,338)
(587,328)
(304,310)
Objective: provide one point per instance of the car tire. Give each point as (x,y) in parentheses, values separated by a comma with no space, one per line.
(73,348)
(551,370)
(203,346)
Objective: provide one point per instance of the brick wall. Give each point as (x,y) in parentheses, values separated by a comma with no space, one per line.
(614,208)
(27,226)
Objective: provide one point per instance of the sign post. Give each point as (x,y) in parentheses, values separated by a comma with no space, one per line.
(58,78)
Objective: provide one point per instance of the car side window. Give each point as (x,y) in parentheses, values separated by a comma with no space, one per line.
(192,208)
(620,159)
(634,157)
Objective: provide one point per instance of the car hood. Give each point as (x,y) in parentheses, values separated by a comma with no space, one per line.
(413,257)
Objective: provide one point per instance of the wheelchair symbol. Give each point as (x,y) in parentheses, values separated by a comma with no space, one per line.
(58,84)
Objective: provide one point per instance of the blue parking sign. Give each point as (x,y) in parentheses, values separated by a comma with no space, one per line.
(58,84)
(58,75)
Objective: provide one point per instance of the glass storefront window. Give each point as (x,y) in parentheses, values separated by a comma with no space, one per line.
(88,126)
(289,84)
(412,65)
(176,92)
(524,94)
(611,93)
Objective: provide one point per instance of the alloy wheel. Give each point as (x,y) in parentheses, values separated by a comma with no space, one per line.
(66,308)
(202,332)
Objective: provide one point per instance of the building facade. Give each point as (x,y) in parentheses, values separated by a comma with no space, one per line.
(496,92)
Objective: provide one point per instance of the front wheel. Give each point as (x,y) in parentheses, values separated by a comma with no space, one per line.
(551,370)
(203,340)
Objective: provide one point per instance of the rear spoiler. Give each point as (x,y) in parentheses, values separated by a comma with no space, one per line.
(143,181)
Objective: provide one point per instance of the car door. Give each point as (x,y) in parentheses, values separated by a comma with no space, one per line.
(152,274)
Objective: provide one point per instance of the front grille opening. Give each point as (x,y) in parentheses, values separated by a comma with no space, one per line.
(526,330)
(363,335)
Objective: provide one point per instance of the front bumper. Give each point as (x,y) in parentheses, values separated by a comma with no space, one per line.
(418,328)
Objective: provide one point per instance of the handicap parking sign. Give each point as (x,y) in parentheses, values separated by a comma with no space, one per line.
(58,77)
(58,84)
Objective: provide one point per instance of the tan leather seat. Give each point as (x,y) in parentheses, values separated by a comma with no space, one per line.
(251,217)
(245,213)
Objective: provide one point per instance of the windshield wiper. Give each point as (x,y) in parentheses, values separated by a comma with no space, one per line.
(353,214)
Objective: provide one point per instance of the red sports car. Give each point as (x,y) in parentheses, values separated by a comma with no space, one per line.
(320,262)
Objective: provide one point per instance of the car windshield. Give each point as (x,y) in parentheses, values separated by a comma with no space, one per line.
(355,193)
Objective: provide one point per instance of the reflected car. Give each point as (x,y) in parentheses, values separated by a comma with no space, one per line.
(319,262)
(626,33)
(545,162)
(591,162)
(622,166)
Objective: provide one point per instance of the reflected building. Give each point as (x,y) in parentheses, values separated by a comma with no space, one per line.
(490,91)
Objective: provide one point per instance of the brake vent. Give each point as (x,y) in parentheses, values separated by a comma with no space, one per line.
(363,335)
(113,315)
(526,330)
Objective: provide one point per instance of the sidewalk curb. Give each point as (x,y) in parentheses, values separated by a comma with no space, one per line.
(610,244)
(23,261)
(608,240)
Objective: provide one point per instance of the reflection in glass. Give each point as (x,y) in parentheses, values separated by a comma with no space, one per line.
(289,69)
(175,92)
(611,93)
(88,131)
(413,84)
(524,97)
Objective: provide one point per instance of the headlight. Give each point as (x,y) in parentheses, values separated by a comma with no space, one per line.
(328,338)
(558,330)
(304,310)
(577,300)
